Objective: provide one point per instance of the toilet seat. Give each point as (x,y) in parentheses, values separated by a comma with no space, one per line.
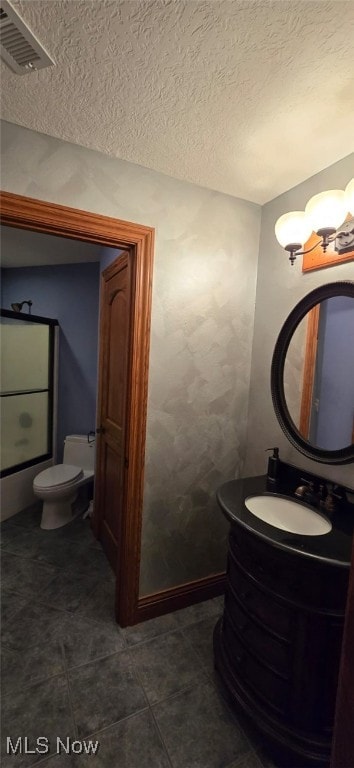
(58,476)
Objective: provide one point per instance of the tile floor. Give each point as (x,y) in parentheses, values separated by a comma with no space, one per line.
(148,694)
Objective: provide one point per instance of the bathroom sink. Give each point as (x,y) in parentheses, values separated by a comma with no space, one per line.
(288,515)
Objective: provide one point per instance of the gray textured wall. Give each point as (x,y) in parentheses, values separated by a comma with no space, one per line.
(202,327)
(279,288)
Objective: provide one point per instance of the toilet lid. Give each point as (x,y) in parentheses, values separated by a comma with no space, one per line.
(60,474)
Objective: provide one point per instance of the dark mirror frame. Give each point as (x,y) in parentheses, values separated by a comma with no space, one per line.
(344,455)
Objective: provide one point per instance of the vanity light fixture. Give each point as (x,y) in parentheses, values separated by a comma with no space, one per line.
(324,214)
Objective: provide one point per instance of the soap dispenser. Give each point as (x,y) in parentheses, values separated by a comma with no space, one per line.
(273,464)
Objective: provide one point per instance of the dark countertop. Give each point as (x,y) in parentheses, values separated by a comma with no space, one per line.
(332,548)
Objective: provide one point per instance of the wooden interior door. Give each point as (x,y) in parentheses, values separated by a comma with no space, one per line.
(112,461)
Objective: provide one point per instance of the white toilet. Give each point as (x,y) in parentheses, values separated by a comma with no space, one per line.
(58,486)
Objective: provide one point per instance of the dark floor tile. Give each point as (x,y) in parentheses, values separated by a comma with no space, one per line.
(19,541)
(83,640)
(11,602)
(105,692)
(58,612)
(51,548)
(93,562)
(68,591)
(27,577)
(199,730)
(33,625)
(132,743)
(45,546)
(27,518)
(78,530)
(5,524)
(99,605)
(40,710)
(55,551)
(256,743)
(166,665)
(250,760)
(20,669)
(40,633)
(65,761)
(93,542)
(198,612)
(149,629)
(200,636)
(219,603)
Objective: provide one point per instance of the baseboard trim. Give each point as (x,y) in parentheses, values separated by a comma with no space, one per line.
(159,603)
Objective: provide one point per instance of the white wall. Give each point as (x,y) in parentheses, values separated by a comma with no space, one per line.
(279,288)
(201,340)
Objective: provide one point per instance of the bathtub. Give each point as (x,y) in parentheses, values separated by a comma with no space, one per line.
(16,490)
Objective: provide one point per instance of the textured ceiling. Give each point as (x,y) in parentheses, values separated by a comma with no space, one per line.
(245,97)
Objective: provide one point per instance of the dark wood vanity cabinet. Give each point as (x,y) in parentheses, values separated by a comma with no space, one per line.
(277,647)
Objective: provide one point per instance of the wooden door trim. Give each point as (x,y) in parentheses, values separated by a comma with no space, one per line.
(175,598)
(50,218)
(55,219)
(309,370)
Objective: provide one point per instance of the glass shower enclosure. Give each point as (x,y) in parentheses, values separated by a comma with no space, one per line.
(27,380)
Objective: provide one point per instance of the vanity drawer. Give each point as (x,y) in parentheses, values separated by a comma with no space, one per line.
(265,608)
(304,583)
(256,637)
(267,565)
(265,684)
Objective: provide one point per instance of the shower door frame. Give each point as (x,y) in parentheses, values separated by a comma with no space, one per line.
(138,241)
(53,324)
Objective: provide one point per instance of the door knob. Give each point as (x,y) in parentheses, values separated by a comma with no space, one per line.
(100,431)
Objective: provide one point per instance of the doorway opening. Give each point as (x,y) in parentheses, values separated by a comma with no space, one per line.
(136,243)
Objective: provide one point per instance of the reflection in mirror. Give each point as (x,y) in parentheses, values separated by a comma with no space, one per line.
(319,374)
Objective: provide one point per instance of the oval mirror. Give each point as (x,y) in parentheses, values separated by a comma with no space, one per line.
(312,376)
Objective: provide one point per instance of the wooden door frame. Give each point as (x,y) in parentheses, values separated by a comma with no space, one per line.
(309,370)
(50,218)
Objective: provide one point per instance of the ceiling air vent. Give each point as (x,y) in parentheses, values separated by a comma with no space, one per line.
(18,46)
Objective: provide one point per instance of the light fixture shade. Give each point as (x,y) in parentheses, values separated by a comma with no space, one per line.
(292,228)
(326,210)
(349,197)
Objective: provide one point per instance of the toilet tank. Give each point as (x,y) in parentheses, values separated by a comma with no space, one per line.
(79,452)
